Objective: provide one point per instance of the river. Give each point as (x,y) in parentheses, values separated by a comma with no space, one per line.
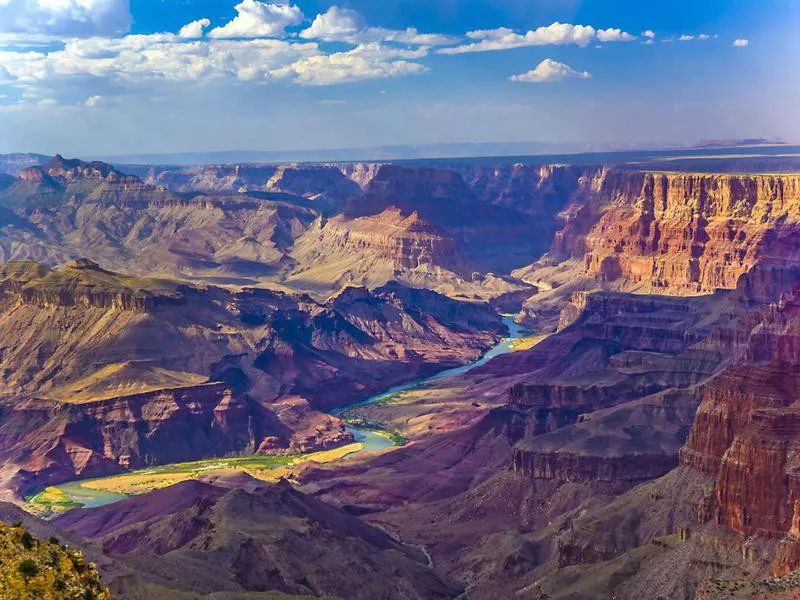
(372,439)
(375,440)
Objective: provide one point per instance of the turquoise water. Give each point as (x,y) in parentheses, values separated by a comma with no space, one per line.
(515,332)
(89,498)
(373,439)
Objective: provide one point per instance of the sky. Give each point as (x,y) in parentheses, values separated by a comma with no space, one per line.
(113,77)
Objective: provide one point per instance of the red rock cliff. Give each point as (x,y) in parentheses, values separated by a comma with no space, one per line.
(680,233)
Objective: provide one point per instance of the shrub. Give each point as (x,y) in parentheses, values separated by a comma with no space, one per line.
(27,540)
(28,568)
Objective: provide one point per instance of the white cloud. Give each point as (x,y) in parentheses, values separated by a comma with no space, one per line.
(368,61)
(256,19)
(347,25)
(649,34)
(139,62)
(65,17)
(550,70)
(554,34)
(689,38)
(194,30)
(335,25)
(93,101)
(614,35)
(741,43)
(157,57)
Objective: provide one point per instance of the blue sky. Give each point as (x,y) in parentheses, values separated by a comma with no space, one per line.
(105,77)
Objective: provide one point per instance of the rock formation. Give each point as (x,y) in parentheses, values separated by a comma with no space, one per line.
(683,234)
(98,376)
(237,535)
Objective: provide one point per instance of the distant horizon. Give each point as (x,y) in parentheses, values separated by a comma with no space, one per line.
(410,152)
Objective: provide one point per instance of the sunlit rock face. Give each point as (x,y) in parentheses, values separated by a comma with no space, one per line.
(683,234)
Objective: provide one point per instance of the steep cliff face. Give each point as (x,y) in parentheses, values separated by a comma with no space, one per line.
(361,173)
(443,198)
(617,447)
(747,434)
(677,233)
(612,395)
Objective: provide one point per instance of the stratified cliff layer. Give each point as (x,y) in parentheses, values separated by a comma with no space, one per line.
(677,233)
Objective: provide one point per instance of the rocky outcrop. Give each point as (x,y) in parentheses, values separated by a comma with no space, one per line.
(83,283)
(675,232)
(69,170)
(262,537)
(36,569)
(361,173)
(107,436)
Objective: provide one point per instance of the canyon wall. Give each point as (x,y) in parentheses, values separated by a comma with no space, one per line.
(677,233)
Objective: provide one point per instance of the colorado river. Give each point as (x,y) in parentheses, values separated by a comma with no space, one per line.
(374,439)
(74,493)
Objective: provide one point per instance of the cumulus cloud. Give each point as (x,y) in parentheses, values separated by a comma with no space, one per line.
(741,43)
(348,25)
(194,30)
(614,35)
(334,25)
(113,64)
(554,34)
(157,57)
(93,101)
(65,17)
(256,19)
(550,70)
(368,61)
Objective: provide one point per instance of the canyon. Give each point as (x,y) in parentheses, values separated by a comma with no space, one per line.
(104,372)
(640,441)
